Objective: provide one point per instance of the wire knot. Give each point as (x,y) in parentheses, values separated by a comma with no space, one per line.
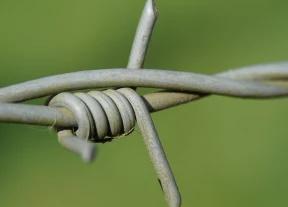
(98,113)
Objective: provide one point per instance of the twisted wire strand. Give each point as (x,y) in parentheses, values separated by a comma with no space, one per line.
(273,74)
(86,149)
(173,80)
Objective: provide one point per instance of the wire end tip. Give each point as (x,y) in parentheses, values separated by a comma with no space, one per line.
(88,155)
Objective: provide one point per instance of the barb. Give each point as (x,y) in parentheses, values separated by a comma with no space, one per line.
(142,36)
(98,114)
(85,149)
(119,107)
(148,131)
(154,148)
(113,113)
(80,143)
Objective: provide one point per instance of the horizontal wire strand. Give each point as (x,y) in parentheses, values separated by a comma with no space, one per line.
(52,116)
(181,81)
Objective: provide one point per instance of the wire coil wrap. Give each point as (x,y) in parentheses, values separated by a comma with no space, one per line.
(98,113)
(118,111)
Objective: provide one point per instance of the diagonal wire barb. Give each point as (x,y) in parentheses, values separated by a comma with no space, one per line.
(142,36)
(148,131)
(99,116)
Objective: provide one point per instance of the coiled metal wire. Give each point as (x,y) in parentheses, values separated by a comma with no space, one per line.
(113,113)
(97,116)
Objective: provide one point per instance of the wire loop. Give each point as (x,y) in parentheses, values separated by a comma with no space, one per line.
(98,113)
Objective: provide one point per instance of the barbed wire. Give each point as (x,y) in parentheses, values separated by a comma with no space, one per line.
(100,116)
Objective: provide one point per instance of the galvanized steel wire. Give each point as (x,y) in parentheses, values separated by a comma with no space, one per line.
(84,118)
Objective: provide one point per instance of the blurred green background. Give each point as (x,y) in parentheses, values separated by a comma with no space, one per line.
(224,152)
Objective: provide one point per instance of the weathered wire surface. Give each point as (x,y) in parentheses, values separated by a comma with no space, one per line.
(100,116)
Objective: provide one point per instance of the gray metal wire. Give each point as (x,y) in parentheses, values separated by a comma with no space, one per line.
(84,118)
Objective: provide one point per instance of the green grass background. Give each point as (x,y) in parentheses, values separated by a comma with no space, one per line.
(224,152)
